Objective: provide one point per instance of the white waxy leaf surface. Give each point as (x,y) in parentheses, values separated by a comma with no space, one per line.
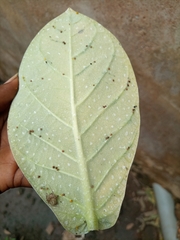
(74,124)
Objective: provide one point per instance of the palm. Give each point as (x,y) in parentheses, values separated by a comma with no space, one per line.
(10,174)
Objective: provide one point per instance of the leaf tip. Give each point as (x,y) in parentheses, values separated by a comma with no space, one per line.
(70,11)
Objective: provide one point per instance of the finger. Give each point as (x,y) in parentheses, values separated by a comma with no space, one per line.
(10,174)
(8,92)
(20,180)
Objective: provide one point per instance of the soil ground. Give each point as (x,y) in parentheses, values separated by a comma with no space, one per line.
(24,216)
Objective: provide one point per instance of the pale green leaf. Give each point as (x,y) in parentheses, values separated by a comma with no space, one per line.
(74,124)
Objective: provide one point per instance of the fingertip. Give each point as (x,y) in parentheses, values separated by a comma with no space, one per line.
(13,78)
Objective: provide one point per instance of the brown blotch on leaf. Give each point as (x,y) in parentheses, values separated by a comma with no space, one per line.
(63,151)
(39,176)
(52,199)
(31,131)
(134,108)
(44,188)
(104,106)
(71,201)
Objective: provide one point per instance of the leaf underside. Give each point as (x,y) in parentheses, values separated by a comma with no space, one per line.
(74,124)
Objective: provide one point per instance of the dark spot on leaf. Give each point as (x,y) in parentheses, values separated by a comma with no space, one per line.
(63,194)
(74,58)
(104,106)
(52,199)
(17,127)
(31,131)
(63,151)
(41,129)
(31,80)
(40,136)
(134,108)
(113,80)
(86,45)
(42,78)
(71,201)
(107,138)
(64,42)
(77,13)
(92,186)
(63,74)
(44,188)
(94,61)
(109,69)
(128,148)
(93,85)
(39,176)
(53,26)
(90,46)
(90,63)
(61,31)
(54,167)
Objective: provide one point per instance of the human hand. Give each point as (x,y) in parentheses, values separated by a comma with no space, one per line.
(10,174)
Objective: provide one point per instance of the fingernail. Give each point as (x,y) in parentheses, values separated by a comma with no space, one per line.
(12,78)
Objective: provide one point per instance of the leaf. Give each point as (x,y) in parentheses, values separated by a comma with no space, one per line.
(74,124)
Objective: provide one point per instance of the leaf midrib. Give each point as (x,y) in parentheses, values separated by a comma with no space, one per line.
(91,219)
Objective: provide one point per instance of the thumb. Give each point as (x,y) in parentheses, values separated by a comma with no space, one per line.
(8,92)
